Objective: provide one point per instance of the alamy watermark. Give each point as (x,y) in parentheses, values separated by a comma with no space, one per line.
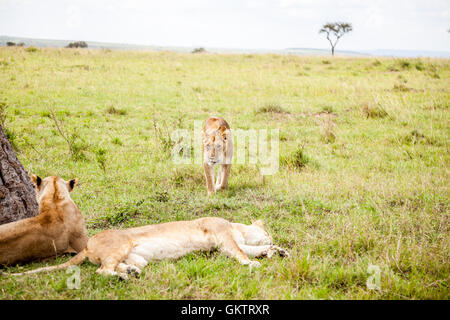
(373,281)
(248,144)
(74,281)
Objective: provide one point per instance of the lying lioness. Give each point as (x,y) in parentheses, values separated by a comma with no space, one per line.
(217,150)
(58,228)
(121,252)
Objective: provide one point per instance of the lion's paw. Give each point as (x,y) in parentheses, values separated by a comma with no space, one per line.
(132,270)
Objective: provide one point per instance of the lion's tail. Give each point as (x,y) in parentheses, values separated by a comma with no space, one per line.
(79,258)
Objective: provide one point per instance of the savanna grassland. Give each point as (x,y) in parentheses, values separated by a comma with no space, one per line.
(363,176)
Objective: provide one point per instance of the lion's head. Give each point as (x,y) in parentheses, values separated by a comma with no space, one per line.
(256,235)
(53,186)
(215,145)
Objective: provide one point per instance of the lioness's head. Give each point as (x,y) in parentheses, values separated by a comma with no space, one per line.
(53,186)
(215,145)
(256,235)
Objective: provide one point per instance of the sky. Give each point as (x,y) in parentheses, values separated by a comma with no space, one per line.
(250,24)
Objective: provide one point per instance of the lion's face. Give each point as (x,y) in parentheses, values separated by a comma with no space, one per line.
(215,144)
(52,185)
(256,235)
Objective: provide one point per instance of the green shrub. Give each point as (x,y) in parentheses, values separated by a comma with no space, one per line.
(374,111)
(113,110)
(271,108)
(297,159)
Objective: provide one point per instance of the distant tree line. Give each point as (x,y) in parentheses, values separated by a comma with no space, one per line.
(199,50)
(13,44)
(77,44)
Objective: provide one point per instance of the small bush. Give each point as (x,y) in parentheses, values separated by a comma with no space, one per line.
(376,111)
(162,134)
(328,135)
(13,44)
(117,141)
(435,75)
(78,147)
(199,50)
(112,110)
(161,196)
(420,66)
(100,157)
(271,108)
(392,69)
(45,114)
(297,159)
(416,137)
(376,63)
(31,49)
(327,109)
(404,64)
(77,44)
(401,87)
(302,74)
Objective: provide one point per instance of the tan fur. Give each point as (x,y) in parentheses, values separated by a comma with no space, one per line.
(217,144)
(58,228)
(121,252)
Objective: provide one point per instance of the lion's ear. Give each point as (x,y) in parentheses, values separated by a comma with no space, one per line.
(224,131)
(71,184)
(37,181)
(258,223)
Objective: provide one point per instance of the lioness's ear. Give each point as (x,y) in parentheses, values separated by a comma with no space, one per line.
(72,183)
(224,132)
(258,223)
(36,180)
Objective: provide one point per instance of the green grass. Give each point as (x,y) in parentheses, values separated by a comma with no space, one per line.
(363,174)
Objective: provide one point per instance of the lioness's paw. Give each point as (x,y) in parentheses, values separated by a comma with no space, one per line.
(122,276)
(132,270)
(282,252)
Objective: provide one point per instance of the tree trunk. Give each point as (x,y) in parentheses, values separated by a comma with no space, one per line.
(332,51)
(17,193)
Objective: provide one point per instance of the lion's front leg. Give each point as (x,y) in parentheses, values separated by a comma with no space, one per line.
(230,248)
(225,170)
(263,251)
(219,179)
(209,175)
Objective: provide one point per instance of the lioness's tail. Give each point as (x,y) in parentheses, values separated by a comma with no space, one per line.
(79,258)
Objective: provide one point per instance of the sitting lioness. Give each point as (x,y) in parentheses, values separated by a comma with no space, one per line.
(58,228)
(217,149)
(123,252)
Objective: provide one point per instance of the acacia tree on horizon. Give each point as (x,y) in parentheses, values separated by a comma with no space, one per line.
(336,30)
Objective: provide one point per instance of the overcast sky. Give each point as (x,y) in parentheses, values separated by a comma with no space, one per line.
(252,24)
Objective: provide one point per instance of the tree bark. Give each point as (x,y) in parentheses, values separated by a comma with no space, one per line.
(17,193)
